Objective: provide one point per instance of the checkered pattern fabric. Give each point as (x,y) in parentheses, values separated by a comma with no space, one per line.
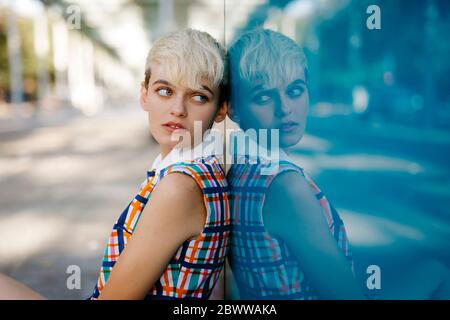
(263,266)
(195,267)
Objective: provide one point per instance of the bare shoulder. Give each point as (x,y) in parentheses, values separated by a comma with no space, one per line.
(178,197)
(289,186)
(290,203)
(180,186)
(174,213)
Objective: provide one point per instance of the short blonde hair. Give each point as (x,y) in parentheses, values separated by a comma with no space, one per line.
(264,55)
(188,57)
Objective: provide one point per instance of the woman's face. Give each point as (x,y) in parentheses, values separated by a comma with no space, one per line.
(172,109)
(282,106)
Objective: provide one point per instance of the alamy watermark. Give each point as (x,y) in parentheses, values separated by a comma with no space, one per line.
(73,18)
(373,282)
(73,281)
(373,22)
(245,147)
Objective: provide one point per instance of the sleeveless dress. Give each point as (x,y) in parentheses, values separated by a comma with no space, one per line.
(263,266)
(196,265)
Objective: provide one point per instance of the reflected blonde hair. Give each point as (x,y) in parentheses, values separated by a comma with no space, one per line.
(263,55)
(188,57)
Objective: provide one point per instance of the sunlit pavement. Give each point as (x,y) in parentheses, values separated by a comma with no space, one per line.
(62,188)
(65,179)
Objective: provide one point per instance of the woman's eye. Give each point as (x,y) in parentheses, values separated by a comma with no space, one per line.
(200,98)
(262,99)
(295,92)
(165,92)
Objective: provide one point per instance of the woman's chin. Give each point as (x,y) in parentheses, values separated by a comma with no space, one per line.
(290,140)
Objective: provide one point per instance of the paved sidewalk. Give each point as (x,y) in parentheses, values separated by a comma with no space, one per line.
(64,179)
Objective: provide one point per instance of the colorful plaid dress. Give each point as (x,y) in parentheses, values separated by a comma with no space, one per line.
(263,266)
(195,267)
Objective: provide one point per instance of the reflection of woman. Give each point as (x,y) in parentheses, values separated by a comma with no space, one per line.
(282,247)
(288,242)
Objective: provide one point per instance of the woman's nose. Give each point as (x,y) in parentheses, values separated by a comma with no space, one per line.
(178,108)
(284,105)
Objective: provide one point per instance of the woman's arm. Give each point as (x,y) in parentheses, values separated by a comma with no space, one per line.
(175,213)
(292,213)
(218,292)
(10,289)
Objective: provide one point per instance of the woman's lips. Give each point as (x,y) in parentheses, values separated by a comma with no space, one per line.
(289,126)
(172,126)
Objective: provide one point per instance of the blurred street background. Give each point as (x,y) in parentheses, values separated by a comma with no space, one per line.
(74,143)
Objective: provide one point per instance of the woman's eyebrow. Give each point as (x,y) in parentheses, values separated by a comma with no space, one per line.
(298,81)
(258,88)
(208,89)
(167,83)
(163,82)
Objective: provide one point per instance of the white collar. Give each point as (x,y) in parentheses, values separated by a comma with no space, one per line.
(212,144)
(262,153)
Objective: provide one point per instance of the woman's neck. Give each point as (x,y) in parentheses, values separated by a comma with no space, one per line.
(165,150)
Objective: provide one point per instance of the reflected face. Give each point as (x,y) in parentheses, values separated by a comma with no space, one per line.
(172,109)
(282,106)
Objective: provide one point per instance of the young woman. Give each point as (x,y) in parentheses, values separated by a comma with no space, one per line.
(171,240)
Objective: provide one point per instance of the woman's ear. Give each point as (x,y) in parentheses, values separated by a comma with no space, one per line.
(222,112)
(143,99)
(232,114)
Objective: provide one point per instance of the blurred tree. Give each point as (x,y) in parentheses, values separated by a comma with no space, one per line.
(410,53)
(85,29)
